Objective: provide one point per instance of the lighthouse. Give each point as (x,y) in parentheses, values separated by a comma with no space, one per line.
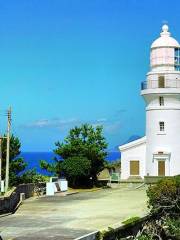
(158,153)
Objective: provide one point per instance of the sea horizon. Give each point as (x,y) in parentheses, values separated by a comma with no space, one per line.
(33,159)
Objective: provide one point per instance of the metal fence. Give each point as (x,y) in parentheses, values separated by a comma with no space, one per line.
(167,83)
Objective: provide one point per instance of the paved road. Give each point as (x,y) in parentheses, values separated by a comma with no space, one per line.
(58,218)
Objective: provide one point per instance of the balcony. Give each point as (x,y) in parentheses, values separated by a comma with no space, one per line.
(166,83)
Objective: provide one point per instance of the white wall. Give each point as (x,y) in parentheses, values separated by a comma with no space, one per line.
(133,153)
(167,141)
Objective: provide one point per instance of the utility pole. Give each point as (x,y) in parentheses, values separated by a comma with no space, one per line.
(0,162)
(8,147)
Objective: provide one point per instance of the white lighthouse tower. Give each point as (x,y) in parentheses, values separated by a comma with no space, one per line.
(158,154)
(161,92)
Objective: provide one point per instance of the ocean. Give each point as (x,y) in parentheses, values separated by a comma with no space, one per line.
(33,158)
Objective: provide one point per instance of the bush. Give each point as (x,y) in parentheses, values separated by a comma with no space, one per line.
(172,227)
(144,237)
(31,176)
(76,170)
(164,197)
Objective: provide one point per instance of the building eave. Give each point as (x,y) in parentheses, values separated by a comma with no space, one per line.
(134,143)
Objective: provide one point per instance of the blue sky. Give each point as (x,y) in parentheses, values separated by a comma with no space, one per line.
(66,62)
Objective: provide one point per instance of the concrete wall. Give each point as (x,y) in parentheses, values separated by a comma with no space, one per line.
(9,203)
(167,141)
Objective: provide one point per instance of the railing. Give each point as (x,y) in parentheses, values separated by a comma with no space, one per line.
(167,83)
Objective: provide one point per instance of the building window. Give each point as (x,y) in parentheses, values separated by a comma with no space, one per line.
(161,101)
(134,168)
(161,82)
(177,59)
(161,126)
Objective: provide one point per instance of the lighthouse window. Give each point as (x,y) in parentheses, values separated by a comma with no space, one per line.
(161,101)
(161,82)
(161,126)
(177,59)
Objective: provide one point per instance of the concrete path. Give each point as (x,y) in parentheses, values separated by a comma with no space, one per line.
(72,216)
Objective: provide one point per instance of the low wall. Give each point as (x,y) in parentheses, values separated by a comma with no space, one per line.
(9,203)
(154,179)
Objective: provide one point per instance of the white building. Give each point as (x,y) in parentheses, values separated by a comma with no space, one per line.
(158,153)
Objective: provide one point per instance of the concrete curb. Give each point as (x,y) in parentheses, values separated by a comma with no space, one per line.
(116,227)
(89,236)
(5,215)
(93,190)
(88,190)
(71,193)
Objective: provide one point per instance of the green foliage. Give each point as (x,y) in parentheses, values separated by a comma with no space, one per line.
(160,228)
(31,176)
(177,180)
(164,197)
(131,220)
(164,203)
(16,165)
(143,237)
(113,165)
(76,169)
(53,167)
(172,227)
(84,142)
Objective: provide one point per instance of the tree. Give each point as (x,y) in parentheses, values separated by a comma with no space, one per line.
(77,170)
(84,142)
(31,176)
(16,165)
(113,166)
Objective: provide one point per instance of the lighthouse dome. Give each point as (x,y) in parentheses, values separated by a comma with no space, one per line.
(165,39)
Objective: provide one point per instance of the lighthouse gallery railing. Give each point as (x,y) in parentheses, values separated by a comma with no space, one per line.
(153,84)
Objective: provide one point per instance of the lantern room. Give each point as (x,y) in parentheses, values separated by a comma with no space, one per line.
(165,52)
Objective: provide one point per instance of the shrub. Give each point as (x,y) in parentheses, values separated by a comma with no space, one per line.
(172,227)
(76,169)
(31,176)
(144,237)
(164,197)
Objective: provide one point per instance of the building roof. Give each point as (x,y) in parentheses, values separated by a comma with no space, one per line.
(165,39)
(133,144)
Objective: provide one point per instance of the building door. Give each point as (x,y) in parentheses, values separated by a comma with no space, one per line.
(161,168)
(161,82)
(134,168)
